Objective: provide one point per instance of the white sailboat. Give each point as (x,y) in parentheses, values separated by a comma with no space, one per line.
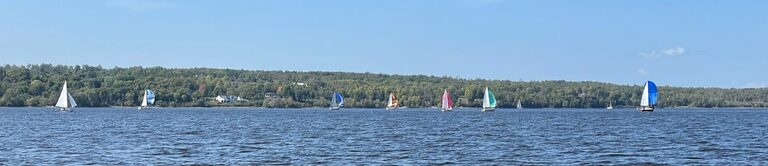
(337,101)
(519,104)
(446,102)
(66,101)
(148,99)
(392,103)
(489,100)
(648,102)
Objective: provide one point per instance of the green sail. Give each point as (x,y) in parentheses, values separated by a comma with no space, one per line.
(491,99)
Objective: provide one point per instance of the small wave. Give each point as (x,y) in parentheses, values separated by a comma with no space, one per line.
(196,132)
(619,155)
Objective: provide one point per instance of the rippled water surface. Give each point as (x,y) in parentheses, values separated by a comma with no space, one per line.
(238,136)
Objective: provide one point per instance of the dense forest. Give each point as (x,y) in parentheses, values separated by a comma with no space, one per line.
(94,86)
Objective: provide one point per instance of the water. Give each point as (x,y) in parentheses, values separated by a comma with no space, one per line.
(240,136)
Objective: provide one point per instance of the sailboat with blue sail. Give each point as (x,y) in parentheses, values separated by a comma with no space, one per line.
(337,101)
(648,102)
(148,99)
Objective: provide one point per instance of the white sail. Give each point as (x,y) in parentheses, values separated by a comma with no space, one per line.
(486,101)
(65,99)
(644,101)
(72,102)
(144,100)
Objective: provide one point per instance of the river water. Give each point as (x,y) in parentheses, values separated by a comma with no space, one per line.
(243,136)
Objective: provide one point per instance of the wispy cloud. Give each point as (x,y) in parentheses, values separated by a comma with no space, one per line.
(677,51)
(642,72)
(140,5)
(755,85)
(482,2)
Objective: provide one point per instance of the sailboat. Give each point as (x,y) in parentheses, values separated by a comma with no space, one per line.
(392,102)
(148,99)
(447,103)
(489,101)
(337,101)
(610,106)
(66,101)
(519,104)
(648,102)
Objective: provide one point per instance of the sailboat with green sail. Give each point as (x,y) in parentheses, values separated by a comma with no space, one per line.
(489,101)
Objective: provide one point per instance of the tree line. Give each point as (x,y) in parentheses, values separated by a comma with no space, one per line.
(95,86)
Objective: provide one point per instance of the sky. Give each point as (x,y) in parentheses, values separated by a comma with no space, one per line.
(686,43)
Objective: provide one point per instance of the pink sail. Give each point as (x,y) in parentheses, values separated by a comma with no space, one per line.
(447,103)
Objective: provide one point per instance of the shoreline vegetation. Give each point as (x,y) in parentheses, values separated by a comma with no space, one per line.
(95,86)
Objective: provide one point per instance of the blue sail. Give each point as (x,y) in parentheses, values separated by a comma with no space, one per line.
(339,99)
(652,93)
(150,97)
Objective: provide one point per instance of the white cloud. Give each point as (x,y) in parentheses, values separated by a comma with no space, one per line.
(482,2)
(140,5)
(642,72)
(677,51)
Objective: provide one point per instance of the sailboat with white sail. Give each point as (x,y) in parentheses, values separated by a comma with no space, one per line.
(66,101)
(446,102)
(148,99)
(337,101)
(489,101)
(648,102)
(392,103)
(519,105)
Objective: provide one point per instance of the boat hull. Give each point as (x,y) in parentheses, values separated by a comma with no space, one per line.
(488,109)
(334,108)
(447,109)
(391,108)
(646,109)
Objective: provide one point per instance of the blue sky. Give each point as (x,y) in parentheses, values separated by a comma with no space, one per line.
(690,43)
